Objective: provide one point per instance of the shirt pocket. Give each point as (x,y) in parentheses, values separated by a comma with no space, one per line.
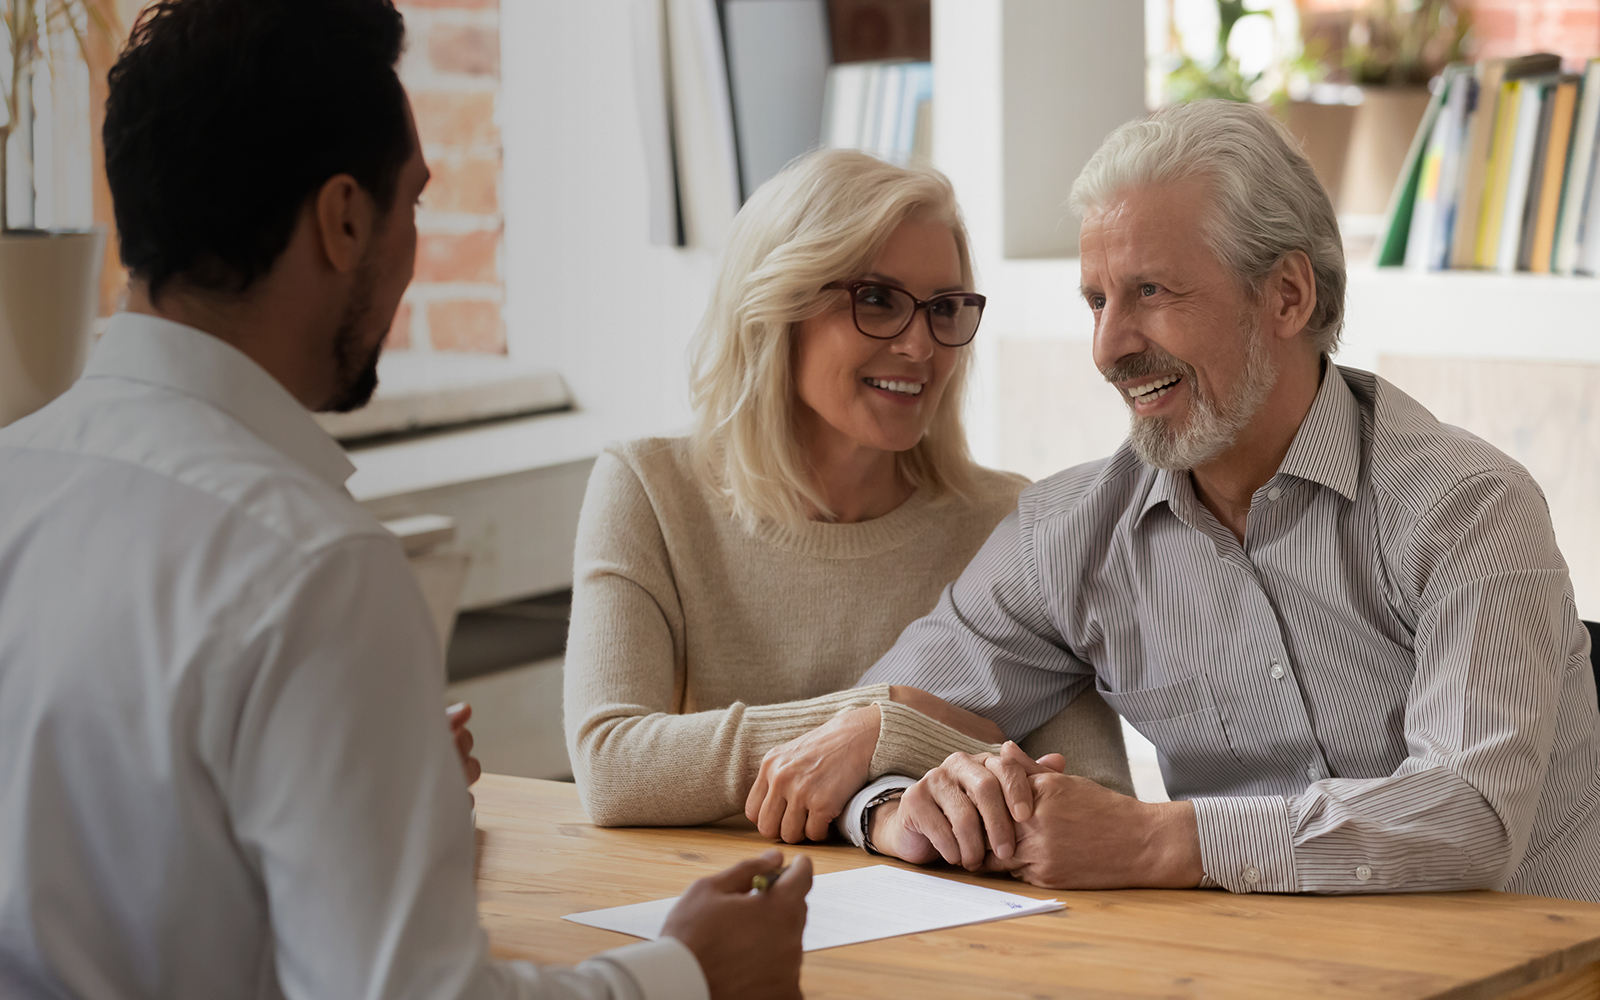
(1183,721)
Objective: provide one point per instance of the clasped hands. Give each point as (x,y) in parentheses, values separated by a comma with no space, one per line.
(1001,812)
(1007,812)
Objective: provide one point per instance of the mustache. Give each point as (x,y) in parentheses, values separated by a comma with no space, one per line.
(1151,361)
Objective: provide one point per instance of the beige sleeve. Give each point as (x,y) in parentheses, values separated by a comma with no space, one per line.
(1087,733)
(638,762)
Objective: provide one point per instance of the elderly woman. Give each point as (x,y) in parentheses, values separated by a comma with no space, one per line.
(732,585)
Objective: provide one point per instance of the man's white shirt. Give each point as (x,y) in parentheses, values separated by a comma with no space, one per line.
(224,767)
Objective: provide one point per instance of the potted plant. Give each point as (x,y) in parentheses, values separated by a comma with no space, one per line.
(1389,49)
(48,277)
(1324,130)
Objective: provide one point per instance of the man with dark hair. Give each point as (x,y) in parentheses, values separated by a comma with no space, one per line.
(223,770)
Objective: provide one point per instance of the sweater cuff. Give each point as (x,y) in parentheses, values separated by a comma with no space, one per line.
(910,743)
(766,726)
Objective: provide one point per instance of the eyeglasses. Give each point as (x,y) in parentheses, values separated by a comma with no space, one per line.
(884,312)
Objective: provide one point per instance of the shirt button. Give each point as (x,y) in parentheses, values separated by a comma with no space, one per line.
(1252,874)
(1274,493)
(1276,671)
(1363,873)
(1314,773)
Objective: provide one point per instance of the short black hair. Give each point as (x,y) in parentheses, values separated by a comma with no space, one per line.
(224,116)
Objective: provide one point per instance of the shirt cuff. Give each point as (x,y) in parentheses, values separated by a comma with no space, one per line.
(852,823)
(1246,844)
(660,970)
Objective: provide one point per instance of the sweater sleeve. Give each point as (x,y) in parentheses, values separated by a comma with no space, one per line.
(1087,733)
(636,760)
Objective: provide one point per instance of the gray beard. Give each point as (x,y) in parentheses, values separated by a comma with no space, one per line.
(1212,426)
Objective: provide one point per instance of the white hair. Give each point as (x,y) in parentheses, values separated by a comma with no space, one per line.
(824,218)
(1268,201)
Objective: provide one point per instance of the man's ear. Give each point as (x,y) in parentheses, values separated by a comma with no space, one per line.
(1291,295)
(344,217)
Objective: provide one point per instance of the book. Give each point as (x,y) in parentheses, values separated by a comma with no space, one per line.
(1402,204)
(1491,203)
(1432,217)
(1535,187)
(1563,101)
(1492,210)
(1588,261)
(843,105)
(1518,171)
(1486,78)
(879,108)
(1579,184)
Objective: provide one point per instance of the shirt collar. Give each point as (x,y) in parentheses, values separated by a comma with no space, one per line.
(159,352)
(1326,450)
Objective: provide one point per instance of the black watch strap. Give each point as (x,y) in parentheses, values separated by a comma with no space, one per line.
(887,795)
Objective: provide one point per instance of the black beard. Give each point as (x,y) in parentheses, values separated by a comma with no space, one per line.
(357,374)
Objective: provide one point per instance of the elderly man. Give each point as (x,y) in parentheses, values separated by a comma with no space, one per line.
(1345,626)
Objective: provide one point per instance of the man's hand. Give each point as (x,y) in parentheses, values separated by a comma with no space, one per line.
(1084,836)
(459,714)
(962,810)
(747,943)
(805,783)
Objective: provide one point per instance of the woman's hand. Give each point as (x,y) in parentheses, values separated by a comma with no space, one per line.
(459,714)
(805,783)
(936,708)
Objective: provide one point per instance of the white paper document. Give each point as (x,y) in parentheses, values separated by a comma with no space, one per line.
(859,905)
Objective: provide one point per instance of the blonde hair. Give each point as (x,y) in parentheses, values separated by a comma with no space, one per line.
(824,218)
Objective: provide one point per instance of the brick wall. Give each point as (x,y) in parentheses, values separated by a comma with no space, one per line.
(1570,28)
(452,71)
(1501,28)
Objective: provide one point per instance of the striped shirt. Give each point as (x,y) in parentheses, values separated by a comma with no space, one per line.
(1385,688)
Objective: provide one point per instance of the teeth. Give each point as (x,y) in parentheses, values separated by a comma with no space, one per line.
(905,388)
(1149,387)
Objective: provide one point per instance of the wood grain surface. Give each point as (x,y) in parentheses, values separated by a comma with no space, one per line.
(540,858)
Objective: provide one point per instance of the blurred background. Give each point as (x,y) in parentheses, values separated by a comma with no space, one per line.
(588,158)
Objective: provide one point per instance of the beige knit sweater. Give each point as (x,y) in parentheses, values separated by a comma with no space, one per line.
(697,646)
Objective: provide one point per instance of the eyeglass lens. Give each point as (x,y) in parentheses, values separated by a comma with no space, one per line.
(884,311)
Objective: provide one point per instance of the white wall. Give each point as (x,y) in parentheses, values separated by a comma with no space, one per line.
(1027,298)
(586,293)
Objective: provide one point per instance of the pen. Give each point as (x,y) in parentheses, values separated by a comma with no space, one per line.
(761,883)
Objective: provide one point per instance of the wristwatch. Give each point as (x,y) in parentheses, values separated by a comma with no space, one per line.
(887,795)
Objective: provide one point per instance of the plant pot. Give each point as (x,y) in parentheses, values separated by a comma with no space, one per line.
(49,294)
(1385,121)
(1324,134)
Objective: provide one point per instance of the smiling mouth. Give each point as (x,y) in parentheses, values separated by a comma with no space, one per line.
(903,388)
(1154,389)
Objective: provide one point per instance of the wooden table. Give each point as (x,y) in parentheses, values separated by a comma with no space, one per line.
(540,858)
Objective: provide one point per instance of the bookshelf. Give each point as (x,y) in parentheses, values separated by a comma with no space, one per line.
(1470,315)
